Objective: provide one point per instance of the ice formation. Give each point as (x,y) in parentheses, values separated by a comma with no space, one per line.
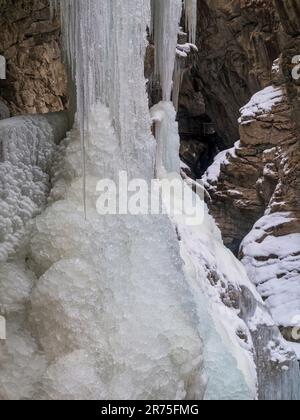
(167,137)
(165,27)
(123,307)
(111,305)
(210,272)
(190,7)
(27,147)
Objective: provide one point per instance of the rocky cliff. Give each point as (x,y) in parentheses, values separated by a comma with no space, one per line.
(36,80)
(255,186)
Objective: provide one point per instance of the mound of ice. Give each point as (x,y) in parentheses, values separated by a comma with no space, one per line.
(27,147)
(135,316)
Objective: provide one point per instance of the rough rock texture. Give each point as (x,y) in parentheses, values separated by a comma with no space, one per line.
(257,182)
(259,172)
(36,79)
(4,111)
(238,42)
(266,160)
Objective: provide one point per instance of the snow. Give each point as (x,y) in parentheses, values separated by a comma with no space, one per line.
(27,147)
(272,263)
(182,52)
(295,347)
(279,354)
(222,159)
(261,103)
(276,67)
(186,48)
(228,360)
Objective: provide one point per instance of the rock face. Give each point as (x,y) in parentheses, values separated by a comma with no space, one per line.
(255,185)
(258,172)
(238,41)
(36,79)
(4,111)
(258,180)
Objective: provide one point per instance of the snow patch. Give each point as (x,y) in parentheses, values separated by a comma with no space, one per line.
(222,159)
(261,103)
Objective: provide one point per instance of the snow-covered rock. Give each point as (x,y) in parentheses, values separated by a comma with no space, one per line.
(270,254)
(255,183)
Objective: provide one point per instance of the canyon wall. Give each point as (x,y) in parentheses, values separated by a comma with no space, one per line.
(254,186)
(243,189)
(36,79)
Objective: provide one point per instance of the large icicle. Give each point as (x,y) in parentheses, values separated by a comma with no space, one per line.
(190,7)
(165,26)
(97,41)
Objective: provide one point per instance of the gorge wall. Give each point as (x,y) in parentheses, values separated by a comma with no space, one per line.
(260,33)
(36,79)
(254,187)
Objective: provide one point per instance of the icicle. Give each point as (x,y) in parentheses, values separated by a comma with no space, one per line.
(178,76)
(105,43)
(190,7)
(165,27)
(168,142)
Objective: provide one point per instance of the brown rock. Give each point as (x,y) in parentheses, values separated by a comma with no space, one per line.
(30,42)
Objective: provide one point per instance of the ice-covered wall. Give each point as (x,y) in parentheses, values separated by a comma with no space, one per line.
(27,148)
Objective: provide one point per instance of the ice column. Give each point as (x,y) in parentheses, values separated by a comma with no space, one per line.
(105,42)
(190,7)
(165,25)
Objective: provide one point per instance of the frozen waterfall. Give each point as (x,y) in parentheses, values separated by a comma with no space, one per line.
(120,306)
